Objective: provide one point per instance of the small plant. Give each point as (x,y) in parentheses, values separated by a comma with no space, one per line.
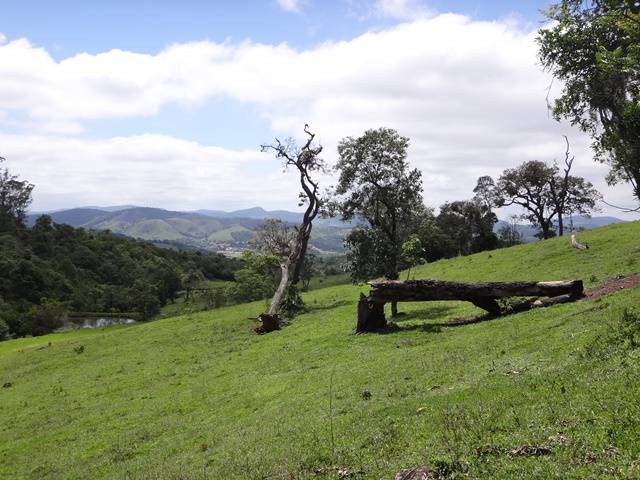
(79,349)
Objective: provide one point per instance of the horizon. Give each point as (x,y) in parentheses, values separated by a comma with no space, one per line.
(170,111)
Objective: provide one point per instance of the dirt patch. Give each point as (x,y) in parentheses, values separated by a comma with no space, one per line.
(612,285)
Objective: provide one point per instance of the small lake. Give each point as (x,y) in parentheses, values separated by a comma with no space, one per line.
(98,322)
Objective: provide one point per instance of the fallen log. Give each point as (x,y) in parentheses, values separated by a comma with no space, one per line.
(484,295)
(426,290)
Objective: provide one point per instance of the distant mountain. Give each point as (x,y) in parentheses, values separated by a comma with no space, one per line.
(259,213)
(229,232)
(579,223)
(75,217)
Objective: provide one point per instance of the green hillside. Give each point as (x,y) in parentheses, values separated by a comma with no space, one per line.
(549,393)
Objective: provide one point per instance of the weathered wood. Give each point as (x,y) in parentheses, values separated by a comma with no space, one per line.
(477,293)
(269,323)
(370,315)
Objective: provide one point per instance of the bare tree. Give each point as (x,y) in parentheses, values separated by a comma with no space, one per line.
(571,194)
(277,238)
(306,161)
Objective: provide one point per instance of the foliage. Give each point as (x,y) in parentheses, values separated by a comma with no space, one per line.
(509,235)
(541,191)
(45,317)
(256,280)
(593,48)
(15,197)
(377,185)
(469,225)
(89,272)
(413,253)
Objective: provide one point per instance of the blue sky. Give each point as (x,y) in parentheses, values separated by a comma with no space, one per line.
(67,27)
(170,100)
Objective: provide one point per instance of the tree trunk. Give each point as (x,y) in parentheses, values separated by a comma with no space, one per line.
(394,309)
(282,288)
(301,251)
(560,225)
(478,293)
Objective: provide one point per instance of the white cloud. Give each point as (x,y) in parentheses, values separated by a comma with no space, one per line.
(3,38)
(150,170)
(401,9)
(469,94)
(291,5)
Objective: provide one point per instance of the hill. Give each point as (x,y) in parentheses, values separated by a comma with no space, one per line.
(226,232)
(543,394)
(229,232)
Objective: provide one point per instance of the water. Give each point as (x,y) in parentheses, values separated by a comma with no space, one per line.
(95,323)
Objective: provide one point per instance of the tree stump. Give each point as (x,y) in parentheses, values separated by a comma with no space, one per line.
(370,315)
(269,323)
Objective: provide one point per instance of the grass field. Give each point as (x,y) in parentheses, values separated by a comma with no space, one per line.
(550,393)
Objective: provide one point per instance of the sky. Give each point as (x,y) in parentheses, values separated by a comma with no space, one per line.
(165,104)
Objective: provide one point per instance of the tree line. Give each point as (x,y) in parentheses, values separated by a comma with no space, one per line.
(49,270)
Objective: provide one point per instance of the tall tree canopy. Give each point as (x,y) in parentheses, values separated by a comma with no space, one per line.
(377,185)
(15,198)
(544,194)
(469,225)
(594,49)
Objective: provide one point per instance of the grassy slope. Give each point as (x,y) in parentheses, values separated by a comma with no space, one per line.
(200,396)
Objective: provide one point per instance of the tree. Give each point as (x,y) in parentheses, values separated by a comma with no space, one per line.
(509,235)
(413,253)
(191,280)
(594,49)
(469,224)
(529,186)
(306,160)
(571,194)
(376,184)
(279,239)
(15,198)
(543,193)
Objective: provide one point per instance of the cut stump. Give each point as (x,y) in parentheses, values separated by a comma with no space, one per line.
(269,323)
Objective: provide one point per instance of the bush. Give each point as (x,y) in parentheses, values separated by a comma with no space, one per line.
(46,317)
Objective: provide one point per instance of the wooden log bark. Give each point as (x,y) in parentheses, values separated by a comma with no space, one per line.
(481,294)
(370,315)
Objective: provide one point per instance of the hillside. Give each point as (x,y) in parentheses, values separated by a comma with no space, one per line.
(544,394)
(226,232)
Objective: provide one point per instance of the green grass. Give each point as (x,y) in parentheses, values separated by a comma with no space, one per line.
(200,396)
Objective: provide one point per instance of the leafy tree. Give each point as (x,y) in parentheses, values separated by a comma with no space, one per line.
(257,280)
(470,226)
(542,192)
(509,235)
(192,279)
(377,185)
(45,317)
(280,240)
(436,243)
(412,253)
(594,49)
(15,197)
